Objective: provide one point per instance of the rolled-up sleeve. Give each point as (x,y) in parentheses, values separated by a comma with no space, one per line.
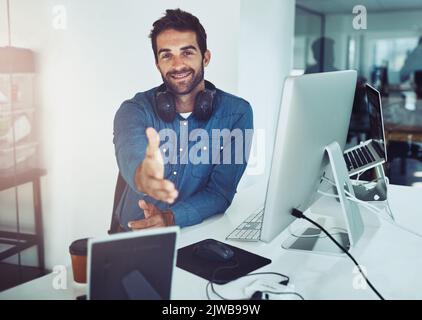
(130,140)
(219,192)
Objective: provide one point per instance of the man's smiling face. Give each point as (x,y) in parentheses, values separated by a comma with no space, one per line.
(180,61)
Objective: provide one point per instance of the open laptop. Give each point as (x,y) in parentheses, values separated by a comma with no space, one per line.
(133,265)
(372,152)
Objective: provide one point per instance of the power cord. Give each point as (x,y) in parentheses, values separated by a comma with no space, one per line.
(341,230)
(214,280)
(299,214)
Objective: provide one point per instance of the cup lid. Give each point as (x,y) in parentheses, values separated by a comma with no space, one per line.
(79,247)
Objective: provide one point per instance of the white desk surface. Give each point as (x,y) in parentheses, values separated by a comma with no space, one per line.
(390,255)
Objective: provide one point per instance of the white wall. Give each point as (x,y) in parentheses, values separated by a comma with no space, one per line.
(104,57)
(265,59)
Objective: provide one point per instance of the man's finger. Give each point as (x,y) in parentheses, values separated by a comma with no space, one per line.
(146,223)
(149,208)
(162,195)
(141,224)
(153,142)
(143,204)
(160,184)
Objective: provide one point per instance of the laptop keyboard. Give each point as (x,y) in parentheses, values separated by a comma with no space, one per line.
(249,229)
(358,158)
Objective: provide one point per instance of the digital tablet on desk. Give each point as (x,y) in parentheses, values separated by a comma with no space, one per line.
(134,265)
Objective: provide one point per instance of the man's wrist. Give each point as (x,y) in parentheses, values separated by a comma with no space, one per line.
(169,217)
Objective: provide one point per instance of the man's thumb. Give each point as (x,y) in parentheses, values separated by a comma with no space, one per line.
(153,142)
(143,205)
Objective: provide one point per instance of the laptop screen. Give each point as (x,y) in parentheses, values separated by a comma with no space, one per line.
(376,121)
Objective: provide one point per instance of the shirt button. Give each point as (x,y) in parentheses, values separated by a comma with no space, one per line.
(221,148)
(185,123)
(164,150)
(181,149)
(205,148)
(174,172)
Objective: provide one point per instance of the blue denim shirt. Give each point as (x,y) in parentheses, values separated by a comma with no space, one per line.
(204,188)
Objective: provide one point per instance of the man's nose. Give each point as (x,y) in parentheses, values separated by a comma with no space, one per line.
(177,62)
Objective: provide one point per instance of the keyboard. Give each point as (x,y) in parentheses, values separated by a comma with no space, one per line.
(249,229)
(358,158)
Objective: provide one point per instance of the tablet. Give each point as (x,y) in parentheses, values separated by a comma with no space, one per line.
(134,265)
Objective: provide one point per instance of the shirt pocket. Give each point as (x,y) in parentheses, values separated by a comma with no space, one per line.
(201,171)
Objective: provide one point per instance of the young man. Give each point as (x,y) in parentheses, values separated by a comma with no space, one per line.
(186,191)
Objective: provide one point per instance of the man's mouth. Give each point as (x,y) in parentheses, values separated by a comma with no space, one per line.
(181,75)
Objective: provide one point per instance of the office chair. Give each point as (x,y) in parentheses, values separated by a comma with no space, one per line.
(118,192)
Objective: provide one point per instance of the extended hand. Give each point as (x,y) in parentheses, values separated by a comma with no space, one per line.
(154,217)
(150,174)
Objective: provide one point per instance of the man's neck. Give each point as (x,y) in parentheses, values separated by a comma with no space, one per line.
(186,103)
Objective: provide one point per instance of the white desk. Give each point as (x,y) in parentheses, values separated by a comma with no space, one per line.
(391,256)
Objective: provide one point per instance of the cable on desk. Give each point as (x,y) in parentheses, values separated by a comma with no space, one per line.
(285,281)
(315,235)
(299,214)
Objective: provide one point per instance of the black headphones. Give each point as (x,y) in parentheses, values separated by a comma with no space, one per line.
(165,104)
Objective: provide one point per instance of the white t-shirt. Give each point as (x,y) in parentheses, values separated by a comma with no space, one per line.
(185,114)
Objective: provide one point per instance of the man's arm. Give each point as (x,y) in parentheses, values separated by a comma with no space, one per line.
(130,140)
(219,192)
(138,155)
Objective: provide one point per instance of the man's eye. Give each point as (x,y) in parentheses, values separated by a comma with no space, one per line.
(165,56)
(188,53)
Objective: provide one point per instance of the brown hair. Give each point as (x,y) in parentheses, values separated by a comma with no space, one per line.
(181,21)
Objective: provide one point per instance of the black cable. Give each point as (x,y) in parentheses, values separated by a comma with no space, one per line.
(285,293)
(298,214)
(206,290)
(213,279)
(285,282)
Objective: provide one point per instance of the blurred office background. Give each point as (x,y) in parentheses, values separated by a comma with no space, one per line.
(75,61)
(387,54)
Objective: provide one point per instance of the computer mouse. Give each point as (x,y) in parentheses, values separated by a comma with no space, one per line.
(213,250)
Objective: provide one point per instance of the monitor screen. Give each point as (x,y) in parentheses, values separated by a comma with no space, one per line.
(315,112)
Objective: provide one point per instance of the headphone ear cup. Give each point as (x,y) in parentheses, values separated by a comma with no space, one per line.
(165,106)
(203,105)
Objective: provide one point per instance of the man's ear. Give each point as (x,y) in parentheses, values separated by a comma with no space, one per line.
(207,57)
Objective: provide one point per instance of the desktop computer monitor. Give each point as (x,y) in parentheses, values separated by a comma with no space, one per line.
(315,111)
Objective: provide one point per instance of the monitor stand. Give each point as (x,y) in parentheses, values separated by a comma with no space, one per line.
(378,189)
(352,220)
